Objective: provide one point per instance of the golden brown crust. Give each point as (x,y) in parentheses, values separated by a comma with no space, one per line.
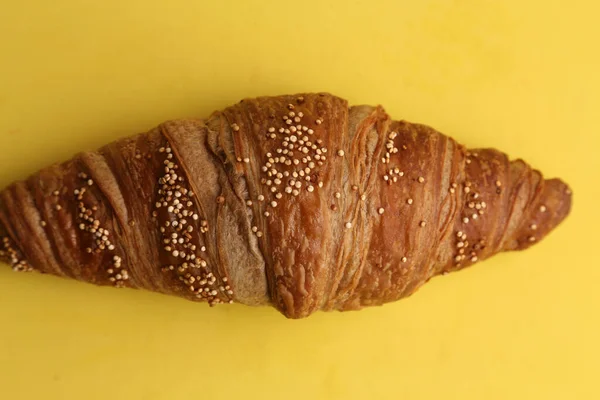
(296,201)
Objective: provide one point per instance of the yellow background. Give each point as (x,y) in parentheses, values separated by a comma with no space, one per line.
(522,76)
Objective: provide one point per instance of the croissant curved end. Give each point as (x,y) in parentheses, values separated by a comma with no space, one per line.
(551,207)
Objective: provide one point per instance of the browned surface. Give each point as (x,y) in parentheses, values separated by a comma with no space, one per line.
(311,250)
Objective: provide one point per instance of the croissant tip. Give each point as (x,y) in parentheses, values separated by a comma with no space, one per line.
(563,194)
(552,208)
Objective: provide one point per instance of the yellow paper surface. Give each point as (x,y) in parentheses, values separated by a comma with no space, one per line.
(522,76)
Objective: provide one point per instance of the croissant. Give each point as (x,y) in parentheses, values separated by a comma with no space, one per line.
(298,202)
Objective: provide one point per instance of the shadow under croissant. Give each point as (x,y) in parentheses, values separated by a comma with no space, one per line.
(298,202)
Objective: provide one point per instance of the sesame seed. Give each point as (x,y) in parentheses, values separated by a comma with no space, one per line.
(58,207)
(261,197)
(363,197)
(422,224)
(259,234)
(421,179)
(348,225)
(466,220)
(235,127)
(409,201)
(404,259)
(474,259)
(273,203)
(380,210)
(338,195)
(543,208)
(498,183)
(533,227)
(340,153)
(532,238)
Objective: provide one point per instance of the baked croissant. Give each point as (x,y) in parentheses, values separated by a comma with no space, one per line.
(300,202)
